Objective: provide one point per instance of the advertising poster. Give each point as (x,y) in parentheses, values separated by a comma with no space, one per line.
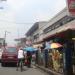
(71,7)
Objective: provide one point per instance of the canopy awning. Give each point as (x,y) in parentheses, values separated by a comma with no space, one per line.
(37,45)
(38,42)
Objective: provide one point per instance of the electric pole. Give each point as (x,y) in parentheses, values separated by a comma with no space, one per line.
(5,37)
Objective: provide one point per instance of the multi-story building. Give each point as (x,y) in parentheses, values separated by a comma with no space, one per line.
(60,23)
(36,32)
(60,28)
(44,30)
(21,42)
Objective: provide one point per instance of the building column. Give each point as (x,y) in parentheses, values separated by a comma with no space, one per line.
(46,58)
(36,57)
(67,59)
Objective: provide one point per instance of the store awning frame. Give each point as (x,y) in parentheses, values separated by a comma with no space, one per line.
(61,31)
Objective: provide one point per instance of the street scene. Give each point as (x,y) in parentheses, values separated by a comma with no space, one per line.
(10,70)
(37,37)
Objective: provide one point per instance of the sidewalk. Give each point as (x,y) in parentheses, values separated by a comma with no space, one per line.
(48,70)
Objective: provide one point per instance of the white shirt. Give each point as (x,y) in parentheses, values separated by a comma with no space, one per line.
(20,54)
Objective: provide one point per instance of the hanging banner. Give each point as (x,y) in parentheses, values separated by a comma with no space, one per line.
(71,7)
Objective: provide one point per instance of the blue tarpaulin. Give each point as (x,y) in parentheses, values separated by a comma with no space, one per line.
(30,49)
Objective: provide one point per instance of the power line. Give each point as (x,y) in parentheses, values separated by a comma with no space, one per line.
(16,22)
(25,23)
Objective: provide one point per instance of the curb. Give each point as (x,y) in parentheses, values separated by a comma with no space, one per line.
(48,70)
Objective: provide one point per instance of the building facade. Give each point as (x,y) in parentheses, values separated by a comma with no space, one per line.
(61,22)
(21,42)
(60,28)
(42,30)
(36,32)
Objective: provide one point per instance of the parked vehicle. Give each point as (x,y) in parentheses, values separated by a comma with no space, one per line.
(9,55)
(1,50)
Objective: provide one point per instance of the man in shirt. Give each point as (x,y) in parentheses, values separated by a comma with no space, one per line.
(20,54)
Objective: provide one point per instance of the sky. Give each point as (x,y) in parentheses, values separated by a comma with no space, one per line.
(17,16)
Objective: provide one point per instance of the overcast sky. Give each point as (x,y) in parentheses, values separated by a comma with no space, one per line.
(17,16)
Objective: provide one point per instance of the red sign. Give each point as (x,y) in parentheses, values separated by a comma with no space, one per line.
(71,7)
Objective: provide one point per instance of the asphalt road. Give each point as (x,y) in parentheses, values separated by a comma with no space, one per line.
(10,70)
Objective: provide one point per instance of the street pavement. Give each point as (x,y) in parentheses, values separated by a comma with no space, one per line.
(10,70)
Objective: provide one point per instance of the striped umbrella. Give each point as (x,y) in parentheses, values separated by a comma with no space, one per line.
(55,45)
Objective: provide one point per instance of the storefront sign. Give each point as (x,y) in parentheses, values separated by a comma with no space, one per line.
(71,7)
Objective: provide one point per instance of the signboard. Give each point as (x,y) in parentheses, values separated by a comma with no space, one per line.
(71,7)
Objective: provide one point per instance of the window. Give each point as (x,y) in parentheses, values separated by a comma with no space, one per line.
(36,36)
(11,49)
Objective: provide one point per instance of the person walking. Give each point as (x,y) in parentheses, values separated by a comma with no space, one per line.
(29,58)
(20,54)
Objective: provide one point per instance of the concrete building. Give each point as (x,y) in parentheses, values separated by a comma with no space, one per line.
(21,42)
(36,32)
(33,33)
(42,30)
(60,28)
(61,22)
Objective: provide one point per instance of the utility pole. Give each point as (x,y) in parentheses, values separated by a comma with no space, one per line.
(5,37)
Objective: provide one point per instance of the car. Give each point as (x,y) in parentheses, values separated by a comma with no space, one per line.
(1,50)
(9,55)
